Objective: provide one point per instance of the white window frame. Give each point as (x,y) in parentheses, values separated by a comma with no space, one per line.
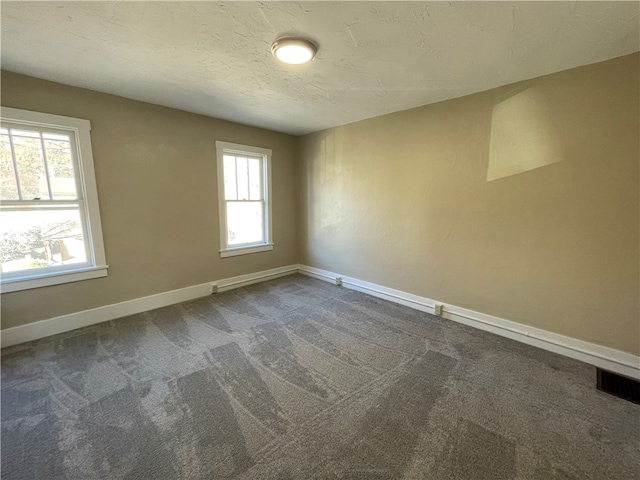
(96,265)
(223,148)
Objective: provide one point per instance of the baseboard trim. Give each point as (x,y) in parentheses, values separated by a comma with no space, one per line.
(244,280)
(64,323)
(604,357)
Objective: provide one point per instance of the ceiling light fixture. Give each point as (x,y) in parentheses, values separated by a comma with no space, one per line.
(294,50)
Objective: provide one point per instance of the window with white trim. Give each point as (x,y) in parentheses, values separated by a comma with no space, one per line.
(244,188)
(50,229)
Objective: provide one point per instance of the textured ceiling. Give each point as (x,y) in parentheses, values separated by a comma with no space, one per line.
(213,58)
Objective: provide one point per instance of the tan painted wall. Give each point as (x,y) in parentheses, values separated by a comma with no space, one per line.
(520,202)
(156,176)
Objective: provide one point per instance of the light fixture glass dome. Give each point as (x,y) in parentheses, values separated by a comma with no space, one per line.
(293,50)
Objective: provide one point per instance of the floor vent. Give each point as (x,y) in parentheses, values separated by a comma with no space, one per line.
(623,387)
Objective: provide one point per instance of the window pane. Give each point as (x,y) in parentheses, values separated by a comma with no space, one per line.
(25,133)
(28,151)
(55,136)
(41,238)
(230,192)
(8,187)
(244,223)
(243,178)
(255,192)
(60,163)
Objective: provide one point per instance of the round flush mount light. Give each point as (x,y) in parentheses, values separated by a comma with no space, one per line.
(294,51)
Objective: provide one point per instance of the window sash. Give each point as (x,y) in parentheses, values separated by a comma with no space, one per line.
(264,226)
(10,126)
(46,206)
(233,183)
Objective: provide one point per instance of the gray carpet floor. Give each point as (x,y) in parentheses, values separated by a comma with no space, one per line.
(299,379)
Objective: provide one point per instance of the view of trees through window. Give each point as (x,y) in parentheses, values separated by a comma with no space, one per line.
(40,215)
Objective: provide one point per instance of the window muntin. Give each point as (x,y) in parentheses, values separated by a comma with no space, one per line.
(48,203)
(244,198)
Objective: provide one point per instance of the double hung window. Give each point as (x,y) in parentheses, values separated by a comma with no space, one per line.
(244,175)
(50,229)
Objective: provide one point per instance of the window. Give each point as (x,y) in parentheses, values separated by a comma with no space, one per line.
(50,222)
(244,181)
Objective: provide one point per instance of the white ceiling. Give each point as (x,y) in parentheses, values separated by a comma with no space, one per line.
(214,58)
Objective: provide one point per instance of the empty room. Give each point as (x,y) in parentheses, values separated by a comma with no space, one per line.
(320,240)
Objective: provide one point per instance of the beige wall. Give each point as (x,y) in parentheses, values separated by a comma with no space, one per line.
(156,175)
(520,202)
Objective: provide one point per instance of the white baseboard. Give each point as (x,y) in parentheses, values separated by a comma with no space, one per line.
(52,326)
(243,280)
(607,358)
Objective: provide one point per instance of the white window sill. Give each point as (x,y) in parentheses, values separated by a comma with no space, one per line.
(54,278)
(232,252)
